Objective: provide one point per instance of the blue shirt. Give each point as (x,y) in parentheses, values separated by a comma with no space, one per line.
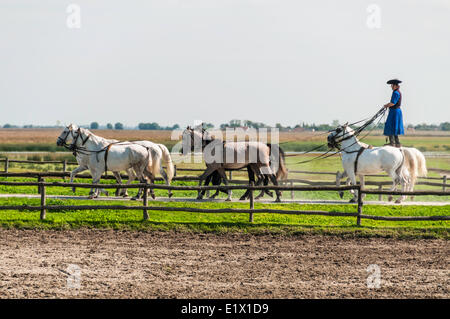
(395,97)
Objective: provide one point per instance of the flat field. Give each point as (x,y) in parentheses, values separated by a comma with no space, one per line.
(45,139)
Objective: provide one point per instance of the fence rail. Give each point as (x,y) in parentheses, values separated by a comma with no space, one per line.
(43,207)
(290,181)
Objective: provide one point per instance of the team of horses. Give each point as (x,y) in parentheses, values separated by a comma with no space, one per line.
(264,162)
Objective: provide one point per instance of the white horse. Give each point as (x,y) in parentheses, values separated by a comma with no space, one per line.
(159,154)
(359,161)
(415,163)
(103,155)
(83,160)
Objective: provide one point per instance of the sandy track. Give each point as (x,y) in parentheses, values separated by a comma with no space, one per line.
(167,264)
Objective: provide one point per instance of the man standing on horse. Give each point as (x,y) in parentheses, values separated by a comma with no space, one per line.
(394,123)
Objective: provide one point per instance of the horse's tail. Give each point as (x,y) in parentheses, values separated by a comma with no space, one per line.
(421,164)
(402,166)
(168,160)
(410,164)
(281,171)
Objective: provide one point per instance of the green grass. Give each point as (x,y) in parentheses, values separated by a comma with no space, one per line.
(230,222)
(220,223)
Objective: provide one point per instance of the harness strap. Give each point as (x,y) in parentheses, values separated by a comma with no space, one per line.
(85,140)
(357,157)
(106,155)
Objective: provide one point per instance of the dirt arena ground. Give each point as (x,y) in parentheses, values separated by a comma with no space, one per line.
(113,264)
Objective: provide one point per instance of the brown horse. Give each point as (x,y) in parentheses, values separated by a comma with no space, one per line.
(220,156)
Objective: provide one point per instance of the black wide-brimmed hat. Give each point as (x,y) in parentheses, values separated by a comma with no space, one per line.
(394,81)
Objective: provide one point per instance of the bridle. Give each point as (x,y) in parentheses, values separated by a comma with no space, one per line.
(79,149)
(191,134)
(62,141)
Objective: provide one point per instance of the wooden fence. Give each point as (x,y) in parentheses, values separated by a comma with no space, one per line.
(64,165)
(291,181)
(43,207)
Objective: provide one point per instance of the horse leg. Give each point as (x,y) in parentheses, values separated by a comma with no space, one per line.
(251,179)
(95,179)
(139,174)
(119,181)
(209,170)
(221,171)
(217,180)
(340,176)
(207,181)
(352,178)
(166,179)
(77,170)
(395,182)
(273,178)
(265,180)
(405,180)
(152,181)
(362,183)
(131,177)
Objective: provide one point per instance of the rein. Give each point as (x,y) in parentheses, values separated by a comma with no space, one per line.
(357,132)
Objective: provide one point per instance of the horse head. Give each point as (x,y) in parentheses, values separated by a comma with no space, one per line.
(67,135)
(339,134)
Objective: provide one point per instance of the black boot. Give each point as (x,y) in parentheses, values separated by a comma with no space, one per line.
(397,141)
(391,141)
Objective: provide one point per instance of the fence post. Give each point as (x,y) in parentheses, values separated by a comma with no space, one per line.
(231,175)
(252,203)
(360,204)
(145,202)
(292,191)
(42,187)
(380,196)
(6,165)
(444,181)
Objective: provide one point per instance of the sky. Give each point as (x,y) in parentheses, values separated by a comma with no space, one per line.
(180,61)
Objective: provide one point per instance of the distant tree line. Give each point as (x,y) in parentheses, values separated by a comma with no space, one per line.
(156,126)
(445,126)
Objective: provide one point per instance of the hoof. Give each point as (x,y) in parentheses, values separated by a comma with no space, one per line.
(73,189)
(106,193)
(352,200)
(398,201)
(124,195)
(390,198)
(277,200)
(170,195)
(134,198)
(199,197)
(242,198)
(228,200)
(92,196)
(341,194)
(153,196)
